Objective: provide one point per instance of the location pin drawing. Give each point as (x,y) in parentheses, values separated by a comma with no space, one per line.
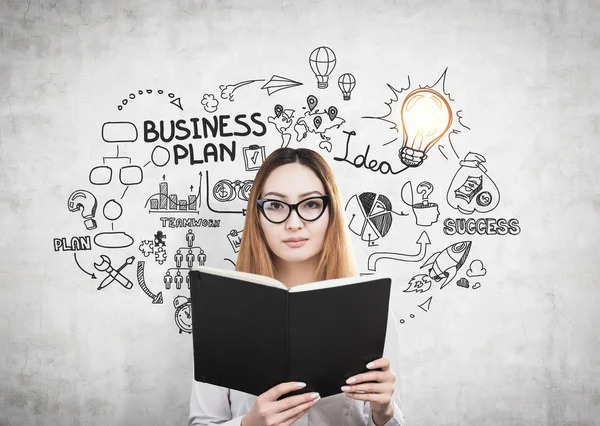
(312,102)
(278,110)
(332,112)
(318,120)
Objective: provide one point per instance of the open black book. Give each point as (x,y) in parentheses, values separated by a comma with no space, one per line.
(251,332)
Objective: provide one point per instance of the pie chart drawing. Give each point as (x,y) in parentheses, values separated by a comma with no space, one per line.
(370,215)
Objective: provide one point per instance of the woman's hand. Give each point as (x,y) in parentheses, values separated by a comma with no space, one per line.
(379,393)
(268,411)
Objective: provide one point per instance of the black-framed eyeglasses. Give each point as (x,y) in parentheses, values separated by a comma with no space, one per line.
(309,209)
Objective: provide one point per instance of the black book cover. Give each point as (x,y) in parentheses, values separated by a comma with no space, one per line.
(251,337)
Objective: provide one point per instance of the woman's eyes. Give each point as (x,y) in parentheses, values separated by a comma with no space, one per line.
(272,205)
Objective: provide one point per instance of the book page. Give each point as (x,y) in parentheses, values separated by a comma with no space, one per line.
(244,276)
(319,285)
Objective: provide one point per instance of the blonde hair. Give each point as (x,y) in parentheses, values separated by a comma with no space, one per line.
(337,256)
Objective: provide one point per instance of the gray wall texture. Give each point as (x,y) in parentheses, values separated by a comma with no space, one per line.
(516,346)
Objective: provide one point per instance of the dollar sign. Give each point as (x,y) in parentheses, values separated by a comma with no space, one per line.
(221,191)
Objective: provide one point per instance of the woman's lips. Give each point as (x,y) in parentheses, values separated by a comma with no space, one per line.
(295,244)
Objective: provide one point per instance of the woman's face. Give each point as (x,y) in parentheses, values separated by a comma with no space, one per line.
(292,183)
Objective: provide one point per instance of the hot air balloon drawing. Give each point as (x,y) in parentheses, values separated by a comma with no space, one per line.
(346,83)
(322,62)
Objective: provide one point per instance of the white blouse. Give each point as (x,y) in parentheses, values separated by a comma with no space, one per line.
(216,405)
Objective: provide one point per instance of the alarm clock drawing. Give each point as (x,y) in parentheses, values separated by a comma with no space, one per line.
(183,314)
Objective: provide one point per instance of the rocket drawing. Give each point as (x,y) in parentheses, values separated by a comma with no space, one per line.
(445,264)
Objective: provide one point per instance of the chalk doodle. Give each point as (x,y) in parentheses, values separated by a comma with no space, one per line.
(476,269)
(163,201)
(425,116)
(112,210)
(254,156)
(443,265)
(119,132)
(183,314)
(322,62)
(157,299)
(277,83)
(282,121)
(160,156)
(481,226)
(402,321)
(86,203)
(173,100)
(463,282)
(156,247)
(191,255)
(423,241)
(346,83)
(226,191)
(235,239)
(318,123)
(209,102)
(113,274)
(128,174)
(419,284)
(426,213)
(359,161)
(74,244)
(178,278)
(190,237)
(91,275)
(313,121)
(227,90)
(420,118)
(426,305)
(113,240)
(176,222)
(370,216)
(471,188)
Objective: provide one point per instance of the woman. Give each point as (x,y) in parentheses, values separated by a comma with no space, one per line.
(295,232)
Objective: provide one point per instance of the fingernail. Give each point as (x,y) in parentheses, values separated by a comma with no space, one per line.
(351,380)
(370,365)
(345,388)
(300,384)
(315,400)
(314,395)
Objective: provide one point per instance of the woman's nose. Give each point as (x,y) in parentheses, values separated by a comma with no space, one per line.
(294,221)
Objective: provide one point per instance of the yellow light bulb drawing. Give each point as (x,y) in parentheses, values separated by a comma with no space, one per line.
(426,116)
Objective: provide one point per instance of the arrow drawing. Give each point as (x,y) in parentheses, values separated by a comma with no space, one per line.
(423,241)
(91,275)
(156,298)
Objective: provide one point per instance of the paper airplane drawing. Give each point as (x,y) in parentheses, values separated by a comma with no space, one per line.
(277,83)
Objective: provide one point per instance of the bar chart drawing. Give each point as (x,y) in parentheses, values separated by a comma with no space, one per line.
(163,201)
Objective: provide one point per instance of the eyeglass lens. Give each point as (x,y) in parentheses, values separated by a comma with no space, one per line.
(308,210)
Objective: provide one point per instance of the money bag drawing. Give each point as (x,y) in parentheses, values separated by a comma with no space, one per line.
(471,188)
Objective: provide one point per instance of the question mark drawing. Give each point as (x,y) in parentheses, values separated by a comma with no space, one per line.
(87,203)
(425,189)
(426,212)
